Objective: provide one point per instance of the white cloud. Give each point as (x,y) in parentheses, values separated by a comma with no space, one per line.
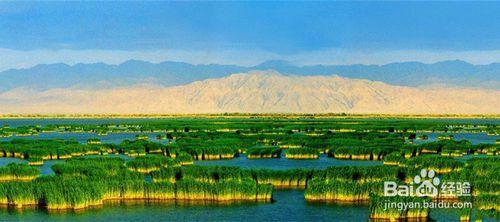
(24,59)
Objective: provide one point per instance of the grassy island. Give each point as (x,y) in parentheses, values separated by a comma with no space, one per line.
(263,152)
(302,153)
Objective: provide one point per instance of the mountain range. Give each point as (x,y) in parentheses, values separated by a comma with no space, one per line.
(254,91)
(133,72)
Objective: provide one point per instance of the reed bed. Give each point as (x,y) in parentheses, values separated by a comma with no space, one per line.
(340,153)
(18,172)
(367,174)
(141,137)
(481,173)
(213,174)
(410,151)
(484,167)
(95,167)
(94,141)
(372,152)
(293,178)
(47,149)
(355,153)
(450,152)
(302,153)
(263,152)
(69,193)
(18,194)
(445,137)
(166,174)
(35,161)
(488,149)
(161,137)
(212,153)
(184,158)
(269,124)
(350,184)
(487,202)
(344,191)
(141,147)
(394,159)
(146,164)
(439,164)
(378,209)
(465,214)
(222,191)
(451,148)
(207,174)
(81,183)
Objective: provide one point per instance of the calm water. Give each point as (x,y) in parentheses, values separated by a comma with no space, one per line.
(283,163)
(46,169)
(6,160)
(83,137)
(474,138)
(242,161)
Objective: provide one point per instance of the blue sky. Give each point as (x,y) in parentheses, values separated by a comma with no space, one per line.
(248,32)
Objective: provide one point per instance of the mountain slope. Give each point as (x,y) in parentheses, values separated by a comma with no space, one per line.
(257,92)
(100,75)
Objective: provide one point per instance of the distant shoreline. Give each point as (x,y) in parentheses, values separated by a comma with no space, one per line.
(247,115)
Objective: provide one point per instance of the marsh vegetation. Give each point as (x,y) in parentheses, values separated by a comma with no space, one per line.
(165,169)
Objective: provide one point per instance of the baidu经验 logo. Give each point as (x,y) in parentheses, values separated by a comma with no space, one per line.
(427,184)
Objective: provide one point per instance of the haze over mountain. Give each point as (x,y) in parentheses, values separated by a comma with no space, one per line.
(133,72)
(257,91)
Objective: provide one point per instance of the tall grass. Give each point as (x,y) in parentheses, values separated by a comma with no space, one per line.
(302,153)
(350,183)
(18,172)
(379,210)
(146,164)
(348,191)
(80,183)
(437,163)
(263,152)
(293,178)
(394,159)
